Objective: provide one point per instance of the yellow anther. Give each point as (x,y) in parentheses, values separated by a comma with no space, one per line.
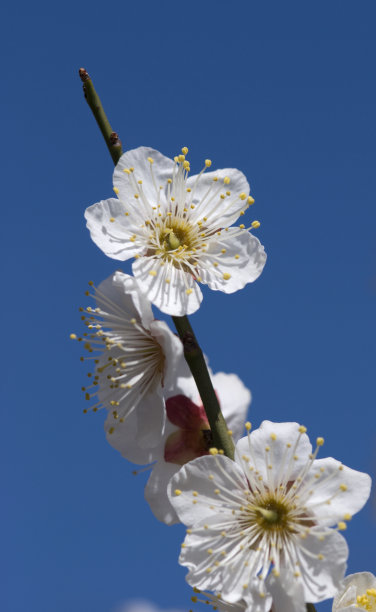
(153,273)
(184,150)
(226,180)
(136,196)
(250,200)
(320,441)
(302,429)
(347,516)
(186,165)
(176,159)
(230,432)
(208,163)
(320,556)
(213,451)
(151,160)
(181,158)
(217,491)
(242,195)
(226,276)
(189,291)
(194,493)
(112,219)
(248,426)
(242,226)
(237,256)
(273,436)
(116,190)
(221,451)
(169,181)
(111,430)
(341,526)
(210,551)
(126,171)
(223,250)
(343,487)
(73,337)
(194,598)
(177,492)
(255,224)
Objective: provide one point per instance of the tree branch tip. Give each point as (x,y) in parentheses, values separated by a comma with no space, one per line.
(84,75)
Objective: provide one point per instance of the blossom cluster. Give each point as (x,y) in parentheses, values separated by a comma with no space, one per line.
(263,528)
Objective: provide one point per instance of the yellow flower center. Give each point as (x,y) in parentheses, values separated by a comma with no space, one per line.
(367,601)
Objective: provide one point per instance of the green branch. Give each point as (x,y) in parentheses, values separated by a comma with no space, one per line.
(192,351)
(111,138)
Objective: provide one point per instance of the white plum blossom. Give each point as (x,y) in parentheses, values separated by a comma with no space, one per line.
(177,228)
(262,524)
(357,592)
(186,436)
(135,358)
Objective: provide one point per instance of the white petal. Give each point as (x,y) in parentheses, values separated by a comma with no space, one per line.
(195,476)
(138,159)
(124,439)
(167,286)
(151,417)
(321,577)
(352,586)
(112,237)
(328,488)
(156,492)
(126,293)
(220,213)
(287,593)
(175,364)
(242,263)
(280,455)
(234,399)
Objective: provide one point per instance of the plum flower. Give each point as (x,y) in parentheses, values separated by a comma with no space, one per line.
(137,357)
(357,592)
(262,523)
(177,228)
(186,436)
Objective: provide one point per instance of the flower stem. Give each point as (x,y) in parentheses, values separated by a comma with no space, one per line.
(310,607)
(196,362)
(192,351)
(111,138)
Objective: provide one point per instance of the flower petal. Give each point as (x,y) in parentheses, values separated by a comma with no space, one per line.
(323,566)
(241,263)
(234,399)
(161,170)
(125,292)
(287,593)
(156,492)
(196,476)
(124,439)
(206,196)
(110,229)
(338,491)
(286,457)
(172,290)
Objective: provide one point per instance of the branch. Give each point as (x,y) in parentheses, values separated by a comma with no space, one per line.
(111,138)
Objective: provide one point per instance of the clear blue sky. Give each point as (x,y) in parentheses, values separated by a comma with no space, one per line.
(286,92)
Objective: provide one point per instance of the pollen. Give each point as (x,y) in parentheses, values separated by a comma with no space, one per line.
(255,224)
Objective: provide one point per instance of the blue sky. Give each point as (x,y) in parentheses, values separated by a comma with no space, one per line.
(286,93)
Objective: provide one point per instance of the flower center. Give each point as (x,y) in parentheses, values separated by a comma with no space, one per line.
(367,601)
(271,515)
